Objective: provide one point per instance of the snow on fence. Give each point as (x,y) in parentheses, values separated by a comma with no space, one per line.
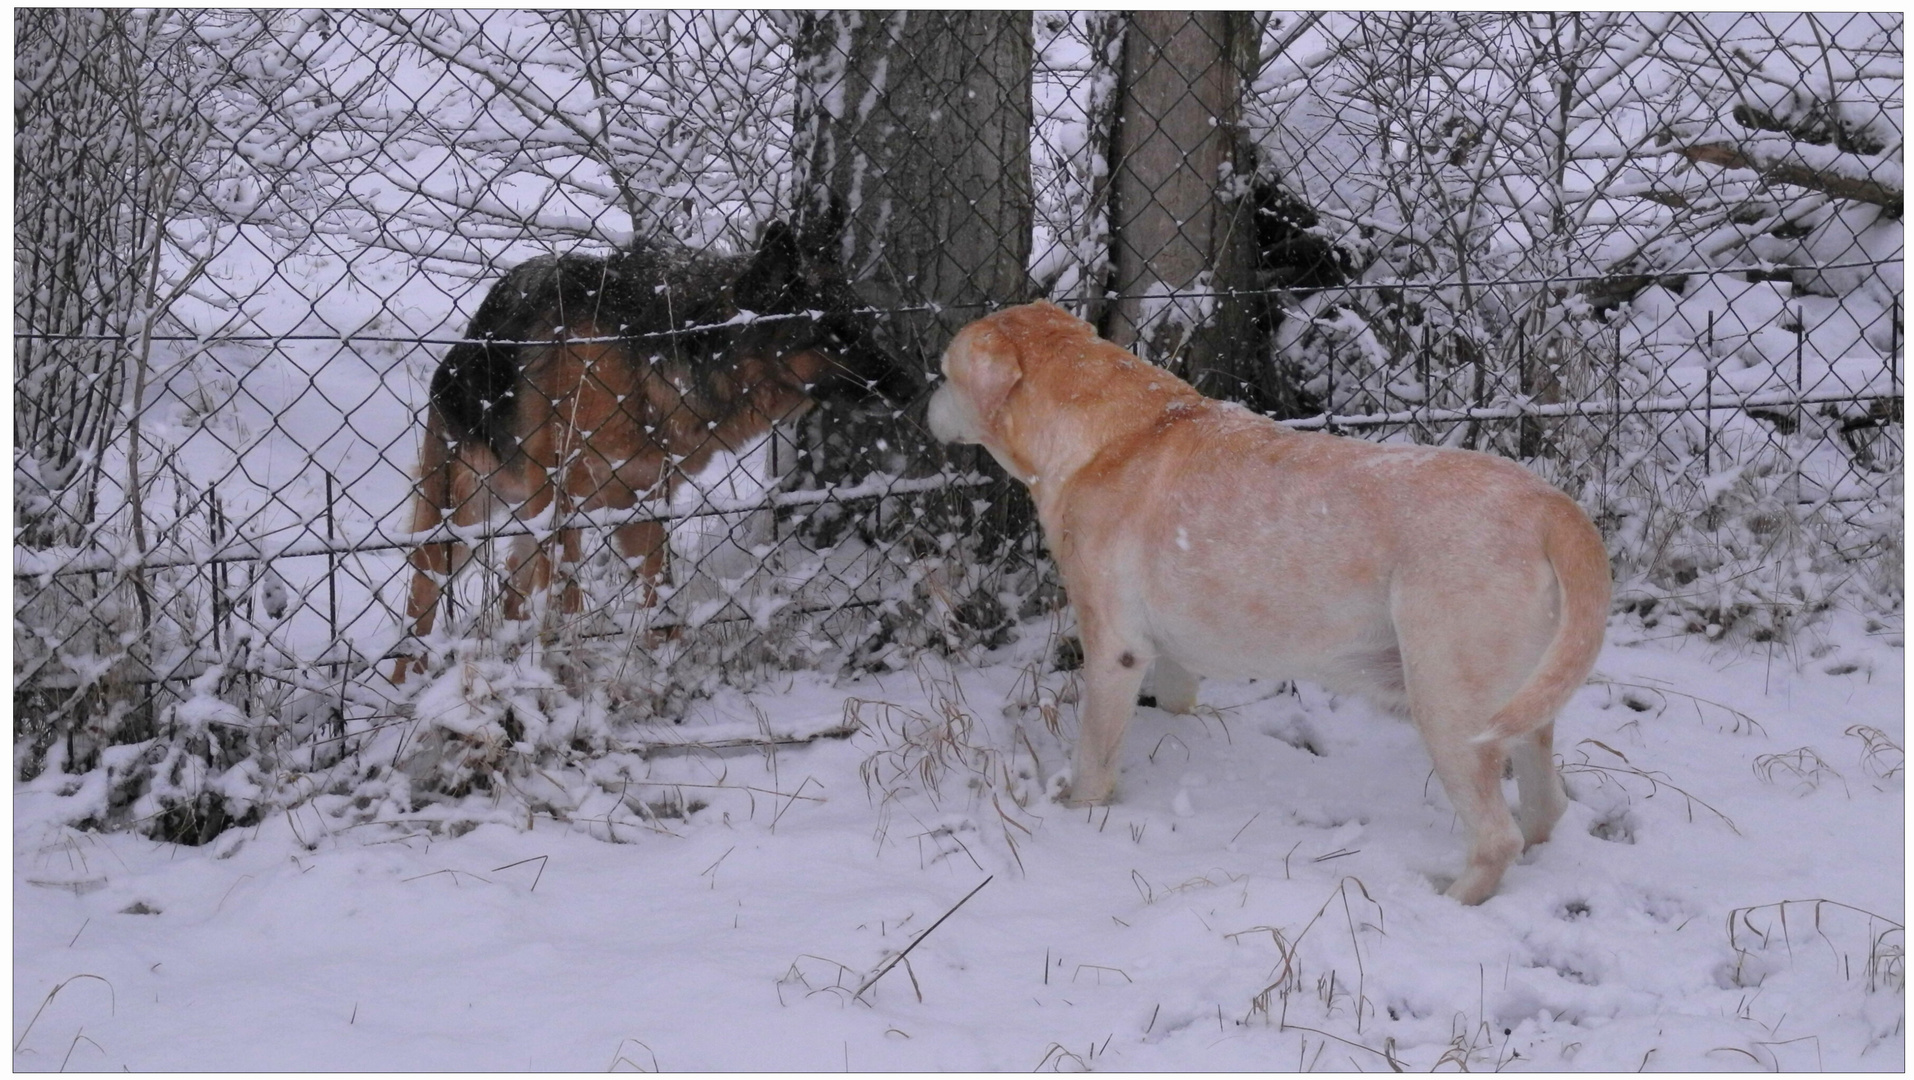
(1657,257)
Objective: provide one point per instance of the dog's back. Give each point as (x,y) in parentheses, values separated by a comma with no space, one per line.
(1265,551)
(641,296)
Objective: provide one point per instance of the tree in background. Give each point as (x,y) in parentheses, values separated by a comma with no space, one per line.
(913,128)
(1183,227)
(912,143)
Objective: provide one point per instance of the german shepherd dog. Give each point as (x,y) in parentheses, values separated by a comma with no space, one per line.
(597,382)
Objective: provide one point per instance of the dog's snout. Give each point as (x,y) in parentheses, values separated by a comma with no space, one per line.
(949,417)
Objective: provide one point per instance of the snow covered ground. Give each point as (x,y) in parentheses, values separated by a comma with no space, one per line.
(1726,892)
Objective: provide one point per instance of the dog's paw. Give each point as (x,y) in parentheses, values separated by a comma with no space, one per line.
(1058,788)
(1063,788)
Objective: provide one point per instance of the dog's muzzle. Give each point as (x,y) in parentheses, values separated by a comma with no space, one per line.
(950,416)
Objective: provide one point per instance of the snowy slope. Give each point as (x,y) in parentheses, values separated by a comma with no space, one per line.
(1264,895)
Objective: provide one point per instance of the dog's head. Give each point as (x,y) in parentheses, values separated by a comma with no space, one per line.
(813,319)
(981,366)
(1037,387)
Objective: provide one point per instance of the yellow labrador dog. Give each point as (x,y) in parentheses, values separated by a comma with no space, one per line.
(1199,537)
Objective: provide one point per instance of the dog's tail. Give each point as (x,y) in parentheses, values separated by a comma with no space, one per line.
(1580,562)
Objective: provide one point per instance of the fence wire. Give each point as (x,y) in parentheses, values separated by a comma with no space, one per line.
(665,292)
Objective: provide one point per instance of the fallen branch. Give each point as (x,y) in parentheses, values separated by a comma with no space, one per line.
(647,749)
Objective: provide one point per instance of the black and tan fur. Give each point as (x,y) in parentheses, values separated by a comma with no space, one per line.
(597,382)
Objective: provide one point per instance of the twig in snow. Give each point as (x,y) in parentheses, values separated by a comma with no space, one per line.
(892,962)
(1246,825)
(448,870)
(75,1045)
(713,868)
(791,798)
(618,1055)
(1384,1055)
(1057,1049)
(539,859)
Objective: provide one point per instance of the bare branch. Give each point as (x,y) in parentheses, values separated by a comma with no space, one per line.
(1782,172)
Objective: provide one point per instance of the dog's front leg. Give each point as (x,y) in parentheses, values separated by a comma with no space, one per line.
(1112,673)
(571,598)
(435,504)
(432,566)
(528,575)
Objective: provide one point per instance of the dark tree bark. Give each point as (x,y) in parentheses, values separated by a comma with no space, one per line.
(913,134)
(913,142)
(913,151)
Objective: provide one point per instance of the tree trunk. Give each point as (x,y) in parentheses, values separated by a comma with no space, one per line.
(913,143)
(1185,258)
(913,132)
(913,151)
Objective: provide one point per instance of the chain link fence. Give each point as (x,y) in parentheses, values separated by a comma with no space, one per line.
(1655,257)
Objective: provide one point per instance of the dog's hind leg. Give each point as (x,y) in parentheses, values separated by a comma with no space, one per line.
(1542,797)
(1472,776)
(432,563)
(1453,687)
(528,576)
(432,566)
(570,554)
(1467,648)
(646,550)
(528,562)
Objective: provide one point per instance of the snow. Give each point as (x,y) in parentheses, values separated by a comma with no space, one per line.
(1725,892)
(1264,895)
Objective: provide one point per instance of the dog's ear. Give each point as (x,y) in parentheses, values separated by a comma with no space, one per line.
(772,281)
(822,228)
(994,367)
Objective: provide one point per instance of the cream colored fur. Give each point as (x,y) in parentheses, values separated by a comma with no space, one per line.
(1205,540)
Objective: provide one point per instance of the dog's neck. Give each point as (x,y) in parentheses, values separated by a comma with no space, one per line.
(1120,402)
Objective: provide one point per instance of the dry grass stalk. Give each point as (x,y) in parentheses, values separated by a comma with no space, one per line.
(893,961)
(1802,764)
(1289,974)
(1656,780)
(1885,938)
(1881,756)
